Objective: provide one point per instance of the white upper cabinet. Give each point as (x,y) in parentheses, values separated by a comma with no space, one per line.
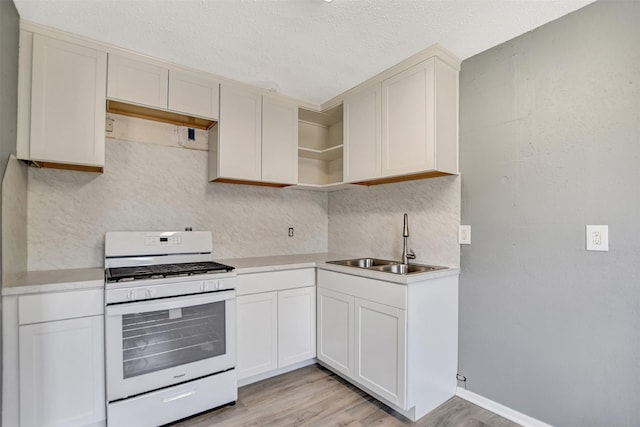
(403,124)
(144,82)
(61,103)
(193,94)
(362,132)
(239,147)
(420,120)
(138,82)
(256,139)
(279,141)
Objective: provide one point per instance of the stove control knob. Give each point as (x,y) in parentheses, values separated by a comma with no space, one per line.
(149,293)
(131,295)
(204,287)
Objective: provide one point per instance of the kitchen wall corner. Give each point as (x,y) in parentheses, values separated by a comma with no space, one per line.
(14,219)
(368,221)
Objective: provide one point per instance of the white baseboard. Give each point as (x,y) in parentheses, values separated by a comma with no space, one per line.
(496,408)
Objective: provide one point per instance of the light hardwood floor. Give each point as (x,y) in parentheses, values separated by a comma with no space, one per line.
(313,396)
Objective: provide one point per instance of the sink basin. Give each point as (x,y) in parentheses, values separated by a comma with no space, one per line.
(408,268)
(387,266)
(364,262)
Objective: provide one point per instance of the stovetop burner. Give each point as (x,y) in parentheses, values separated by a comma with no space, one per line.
(159,271)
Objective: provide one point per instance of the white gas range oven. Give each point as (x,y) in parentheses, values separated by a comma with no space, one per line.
(170,327)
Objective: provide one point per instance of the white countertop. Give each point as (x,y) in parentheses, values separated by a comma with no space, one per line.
(318,260)
(33,282)
(87,278)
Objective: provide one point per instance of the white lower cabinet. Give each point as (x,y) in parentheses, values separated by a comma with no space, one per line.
(53,359)
(335,330)
(257,333)
(62,373)
(398,342)
(276,322)
(363,340)
(380,349)
(296,325)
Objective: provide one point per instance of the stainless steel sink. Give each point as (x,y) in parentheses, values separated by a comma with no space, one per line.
(387,266)
(364,262)
(408,268)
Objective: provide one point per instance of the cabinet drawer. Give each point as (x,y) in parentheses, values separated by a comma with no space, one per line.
(275,281)
(58,306)
(392,294)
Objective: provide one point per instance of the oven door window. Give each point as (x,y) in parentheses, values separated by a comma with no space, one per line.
(157,340)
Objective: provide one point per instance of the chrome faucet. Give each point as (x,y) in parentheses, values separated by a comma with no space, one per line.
(407,254)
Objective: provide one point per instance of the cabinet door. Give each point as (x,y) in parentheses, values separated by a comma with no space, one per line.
(362,129)
(279,141)
(257,334)
(240,134)
(193,94)
(408,120)
(380,349)
(138,82)
(67,103)
(62,373)
(336,330)
(296,325)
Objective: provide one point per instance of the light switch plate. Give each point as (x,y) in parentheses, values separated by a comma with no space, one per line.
(597,237)
(464,235)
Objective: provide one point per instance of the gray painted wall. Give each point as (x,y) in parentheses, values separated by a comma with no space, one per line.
(550,142)
(9,31)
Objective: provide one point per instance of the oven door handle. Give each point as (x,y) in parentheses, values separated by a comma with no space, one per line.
(168,303)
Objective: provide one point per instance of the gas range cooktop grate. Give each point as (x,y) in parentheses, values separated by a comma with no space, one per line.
(160,271)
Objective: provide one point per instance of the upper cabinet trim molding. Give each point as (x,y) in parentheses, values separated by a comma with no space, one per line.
(111,49)
(435,50)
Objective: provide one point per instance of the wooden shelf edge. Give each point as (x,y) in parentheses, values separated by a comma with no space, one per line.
(334,186)
(402,178)
(139,112)
(247,182)
(65,166)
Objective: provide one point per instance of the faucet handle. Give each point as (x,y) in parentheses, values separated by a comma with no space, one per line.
(411,254)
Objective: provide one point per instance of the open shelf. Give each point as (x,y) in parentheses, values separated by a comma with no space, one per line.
(328,154)
(320,147)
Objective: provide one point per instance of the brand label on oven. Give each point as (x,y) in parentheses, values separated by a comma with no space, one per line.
(175,313)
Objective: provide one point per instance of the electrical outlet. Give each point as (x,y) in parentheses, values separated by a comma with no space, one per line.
(290,231)
(597,237)
(464,235)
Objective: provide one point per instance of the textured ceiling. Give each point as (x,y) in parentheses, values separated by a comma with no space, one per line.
(308,49)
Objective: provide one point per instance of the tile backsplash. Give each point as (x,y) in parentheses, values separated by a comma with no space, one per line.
(154,181)
(154,187)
